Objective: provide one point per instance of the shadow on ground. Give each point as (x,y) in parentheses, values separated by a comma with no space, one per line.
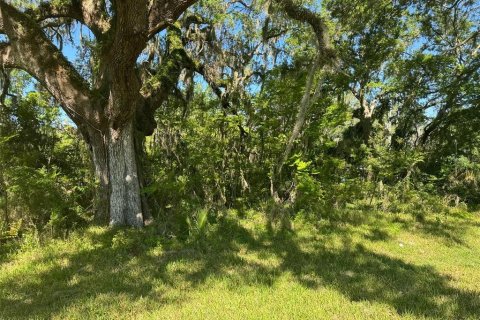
(131,270)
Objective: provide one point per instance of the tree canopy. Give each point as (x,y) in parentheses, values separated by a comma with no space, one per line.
(133,111)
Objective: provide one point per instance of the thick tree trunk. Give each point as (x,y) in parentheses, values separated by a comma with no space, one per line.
(143,177)
(125,197)
(119,199)
(98,146)
(104,115)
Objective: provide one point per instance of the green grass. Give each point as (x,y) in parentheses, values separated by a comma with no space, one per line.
(367,268)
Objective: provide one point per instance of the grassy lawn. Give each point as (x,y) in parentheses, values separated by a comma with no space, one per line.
(367,268)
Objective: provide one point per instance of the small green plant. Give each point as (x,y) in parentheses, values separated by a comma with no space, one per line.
(198,226)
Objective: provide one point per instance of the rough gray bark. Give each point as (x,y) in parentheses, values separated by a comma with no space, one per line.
(99,154)
(125,198)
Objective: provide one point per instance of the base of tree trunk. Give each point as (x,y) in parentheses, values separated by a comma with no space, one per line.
(125,198)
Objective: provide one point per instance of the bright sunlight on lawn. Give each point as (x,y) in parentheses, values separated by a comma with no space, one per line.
(366,268)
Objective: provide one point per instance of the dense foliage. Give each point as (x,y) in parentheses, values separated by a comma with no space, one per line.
(256,117)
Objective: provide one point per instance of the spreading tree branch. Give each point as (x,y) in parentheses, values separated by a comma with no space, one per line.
(30,50)
(91,13)
(304,15)
(165,12)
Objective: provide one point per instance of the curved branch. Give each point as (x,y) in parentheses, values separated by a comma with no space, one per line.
(95,17)
(46,10)
(301,14)
(162,13)
(88,12)
(30,50)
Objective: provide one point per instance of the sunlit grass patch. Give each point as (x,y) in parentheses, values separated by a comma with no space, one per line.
(382,268)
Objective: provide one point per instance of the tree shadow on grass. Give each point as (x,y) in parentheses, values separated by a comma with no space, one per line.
(131,271)
(364,275)
(450,232)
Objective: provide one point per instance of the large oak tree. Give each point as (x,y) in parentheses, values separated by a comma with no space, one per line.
(111,105)
(108,110)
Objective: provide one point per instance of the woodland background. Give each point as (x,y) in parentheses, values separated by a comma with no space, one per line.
(262,121)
